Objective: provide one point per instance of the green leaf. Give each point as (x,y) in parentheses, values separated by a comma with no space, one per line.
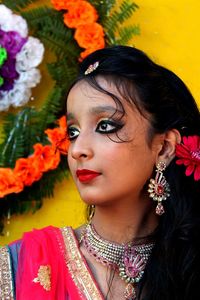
(17,132)
(126,34)
(104,8)
(37,16)
(117,18)
(18,4)
(62,72)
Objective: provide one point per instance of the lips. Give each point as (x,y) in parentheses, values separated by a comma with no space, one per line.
(85,175)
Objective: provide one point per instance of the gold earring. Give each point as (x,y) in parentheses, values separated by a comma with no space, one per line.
(159,188)
(90,213)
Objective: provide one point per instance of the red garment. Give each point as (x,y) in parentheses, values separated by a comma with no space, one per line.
(56,250)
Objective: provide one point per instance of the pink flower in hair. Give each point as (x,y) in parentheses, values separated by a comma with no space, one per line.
(188,153)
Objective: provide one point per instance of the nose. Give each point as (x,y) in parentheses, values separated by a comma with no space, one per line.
(81,148)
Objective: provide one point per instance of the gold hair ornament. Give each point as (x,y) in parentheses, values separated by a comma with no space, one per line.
(92,68)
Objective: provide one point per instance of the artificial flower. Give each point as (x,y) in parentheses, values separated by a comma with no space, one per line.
(3,55)
(188,153)
(18,73)
(62,122)
(27,170)
(12,22)
(9,183)
(30,78)
(18,96)
(30,55)
(44,158)
(80,13)
(47,156)
(63,4)
(58,136)
(12,41)
(90,37)
(86,52)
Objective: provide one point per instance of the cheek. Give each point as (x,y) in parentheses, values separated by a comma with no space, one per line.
(70,160)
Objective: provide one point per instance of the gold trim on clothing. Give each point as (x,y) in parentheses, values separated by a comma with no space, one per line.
(78,269)
(6,283)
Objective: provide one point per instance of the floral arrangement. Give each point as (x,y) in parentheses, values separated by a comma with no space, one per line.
(188,153)
(32,149)
(82,16)
(30,169)
(19,57)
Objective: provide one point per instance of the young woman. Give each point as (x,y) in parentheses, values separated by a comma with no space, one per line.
(134,155)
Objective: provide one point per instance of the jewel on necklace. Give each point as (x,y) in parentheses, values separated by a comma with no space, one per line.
(129,259)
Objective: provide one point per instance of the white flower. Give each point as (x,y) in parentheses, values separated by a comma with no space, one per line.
(31,78)
(30,55)
(12,22)
(19,95)
(5,16)
(4,104)
(18,24)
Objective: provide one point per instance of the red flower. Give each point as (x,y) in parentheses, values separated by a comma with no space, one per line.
(188,153)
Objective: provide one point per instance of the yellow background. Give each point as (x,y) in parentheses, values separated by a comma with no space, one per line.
(170,35)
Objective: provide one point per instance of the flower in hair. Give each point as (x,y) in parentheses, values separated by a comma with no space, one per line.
(188,153)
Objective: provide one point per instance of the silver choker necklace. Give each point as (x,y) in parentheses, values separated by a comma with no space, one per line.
(128,259)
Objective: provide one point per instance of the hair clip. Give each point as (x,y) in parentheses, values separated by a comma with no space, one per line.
(92,68)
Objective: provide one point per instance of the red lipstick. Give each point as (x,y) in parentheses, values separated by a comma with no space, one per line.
(85,175)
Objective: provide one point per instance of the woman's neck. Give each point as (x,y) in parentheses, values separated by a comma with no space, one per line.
(122,224)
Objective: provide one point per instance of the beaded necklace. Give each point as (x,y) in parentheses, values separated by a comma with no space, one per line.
(129,259)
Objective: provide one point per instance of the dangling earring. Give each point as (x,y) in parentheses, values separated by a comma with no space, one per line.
(90,213)
(159,188)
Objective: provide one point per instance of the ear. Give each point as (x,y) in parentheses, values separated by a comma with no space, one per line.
(170,139)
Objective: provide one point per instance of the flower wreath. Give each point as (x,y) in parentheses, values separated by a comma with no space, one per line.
(31,156)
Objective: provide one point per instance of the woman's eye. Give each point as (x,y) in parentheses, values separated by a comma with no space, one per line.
(72,133)
(107,126)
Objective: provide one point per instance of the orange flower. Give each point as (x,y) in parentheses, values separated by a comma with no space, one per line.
(86,53)
(47,156)
(28,170)
(63,123)
(80,13)
(9,183)
(62,4)
(58,136)
(90,36)
(58,139)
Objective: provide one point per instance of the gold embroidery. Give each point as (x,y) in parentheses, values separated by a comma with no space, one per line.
(6,284)
(77,268)
(44,277)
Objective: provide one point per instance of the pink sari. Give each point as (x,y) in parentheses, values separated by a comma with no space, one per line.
(51,267)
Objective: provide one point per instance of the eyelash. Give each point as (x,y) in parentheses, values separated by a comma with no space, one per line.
(116,126)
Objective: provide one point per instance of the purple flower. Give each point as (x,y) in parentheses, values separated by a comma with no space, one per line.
(12,41)
(9,73)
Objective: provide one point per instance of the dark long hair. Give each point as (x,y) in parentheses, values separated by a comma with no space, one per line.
(173,271)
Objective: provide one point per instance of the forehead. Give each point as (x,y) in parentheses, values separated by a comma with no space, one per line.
(84,94)
(83,89)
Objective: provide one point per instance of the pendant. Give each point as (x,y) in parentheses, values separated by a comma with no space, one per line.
(132,268)
(130,292)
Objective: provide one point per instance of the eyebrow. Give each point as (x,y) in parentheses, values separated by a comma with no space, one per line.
(98,110)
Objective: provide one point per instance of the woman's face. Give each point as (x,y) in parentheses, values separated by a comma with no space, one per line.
(104,168)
